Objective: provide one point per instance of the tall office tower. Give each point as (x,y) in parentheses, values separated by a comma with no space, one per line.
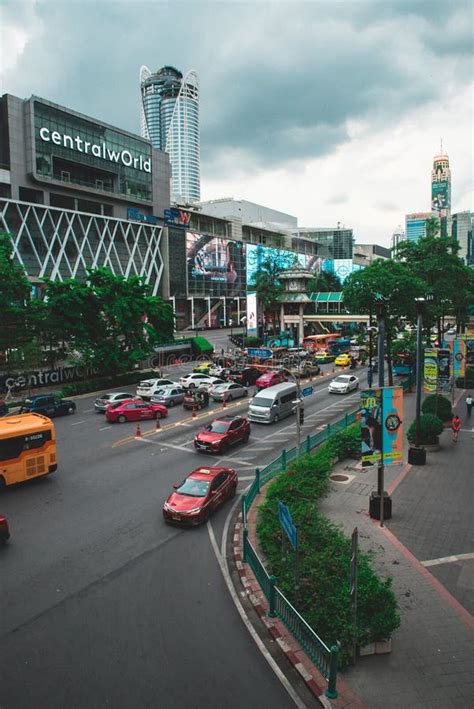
(398,237)
(415,225)
(441,185)
(169,111)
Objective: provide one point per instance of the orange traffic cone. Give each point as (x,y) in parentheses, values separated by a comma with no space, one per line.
(194,413)
(138,433)
(158,425)
(224,403)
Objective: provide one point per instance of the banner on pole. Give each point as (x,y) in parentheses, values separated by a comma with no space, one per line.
(430,370)
(458,351)
(381,419)
(444,371)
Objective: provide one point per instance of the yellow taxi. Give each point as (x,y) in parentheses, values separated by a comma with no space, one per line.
(343,360)
(321,356)
(203,367)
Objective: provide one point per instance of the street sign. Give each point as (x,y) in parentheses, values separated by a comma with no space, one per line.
(307,391)
(288,527)
(260,352)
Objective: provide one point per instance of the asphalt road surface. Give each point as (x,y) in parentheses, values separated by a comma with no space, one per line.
(103,604)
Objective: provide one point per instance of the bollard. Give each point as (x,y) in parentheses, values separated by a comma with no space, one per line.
(138,433)
(283,459)
(257,478)
(331,691)
(244,545)
(308,443)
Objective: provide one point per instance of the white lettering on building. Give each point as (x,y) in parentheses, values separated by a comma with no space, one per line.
(96,149)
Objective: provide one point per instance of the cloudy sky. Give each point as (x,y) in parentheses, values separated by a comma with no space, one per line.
(330,111)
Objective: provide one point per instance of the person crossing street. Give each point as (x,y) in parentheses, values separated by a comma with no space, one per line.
(469,402)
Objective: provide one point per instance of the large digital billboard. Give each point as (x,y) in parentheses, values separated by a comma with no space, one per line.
(258,255)
(439,195)
(215,266)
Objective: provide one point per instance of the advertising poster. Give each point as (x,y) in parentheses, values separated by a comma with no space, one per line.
(392,412)
(458,350)
(430,370)
(469,348)
(439,195)
(371,426)
(444,370)
(279,259)
(252,329)
(215,266)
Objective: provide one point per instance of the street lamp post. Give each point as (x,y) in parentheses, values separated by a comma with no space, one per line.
(416,453)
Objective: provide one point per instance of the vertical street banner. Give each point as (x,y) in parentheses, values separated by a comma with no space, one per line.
(444,371)
(469,348)
(371,426)
(392,434)
(430,370)
(381,419)
(252,329)
(458,351)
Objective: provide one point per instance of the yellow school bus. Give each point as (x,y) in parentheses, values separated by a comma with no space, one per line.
(27,448)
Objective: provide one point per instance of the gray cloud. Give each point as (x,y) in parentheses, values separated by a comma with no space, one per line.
(279,81)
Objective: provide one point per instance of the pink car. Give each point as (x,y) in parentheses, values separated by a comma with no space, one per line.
(269,379)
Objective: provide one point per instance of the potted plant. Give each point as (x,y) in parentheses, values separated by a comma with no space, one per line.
(440,406)
(431,428)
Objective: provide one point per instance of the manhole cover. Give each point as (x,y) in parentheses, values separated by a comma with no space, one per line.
(340,478)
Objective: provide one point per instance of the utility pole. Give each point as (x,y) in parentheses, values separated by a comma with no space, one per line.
(416,453)
(381,363)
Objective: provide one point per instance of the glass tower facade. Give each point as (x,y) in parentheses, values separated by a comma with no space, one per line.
(170,120)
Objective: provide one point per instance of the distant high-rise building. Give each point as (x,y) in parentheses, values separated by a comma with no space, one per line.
(441,185)
(415,225)
(169,112)
(398,237)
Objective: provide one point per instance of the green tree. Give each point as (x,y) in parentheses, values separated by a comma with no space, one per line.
(15,289)
(325,282)
(386,282)
(434,260)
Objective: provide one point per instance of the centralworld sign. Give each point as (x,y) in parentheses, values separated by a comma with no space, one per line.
(98,150)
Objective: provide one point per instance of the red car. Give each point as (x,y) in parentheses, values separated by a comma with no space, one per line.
(223,433)
(4,531)
(269,379)
(134,410)
(202,492)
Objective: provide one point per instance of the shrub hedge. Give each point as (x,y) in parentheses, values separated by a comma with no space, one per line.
(324,554)
(430,428)
(106,383)
(441,408)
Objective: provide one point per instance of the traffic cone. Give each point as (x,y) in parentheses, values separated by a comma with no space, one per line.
(158,425)
(194,413)
(138,433)
(224,402)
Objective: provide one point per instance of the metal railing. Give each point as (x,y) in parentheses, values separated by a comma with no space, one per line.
(325,658)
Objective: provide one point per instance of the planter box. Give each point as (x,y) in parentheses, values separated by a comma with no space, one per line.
(432,447)
(382,647)
(368,649)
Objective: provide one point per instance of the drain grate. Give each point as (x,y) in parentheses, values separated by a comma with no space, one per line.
(339,478)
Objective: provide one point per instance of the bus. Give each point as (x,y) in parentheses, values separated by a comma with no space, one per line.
(27,448)
(339,346)
(403,363)
(320,342)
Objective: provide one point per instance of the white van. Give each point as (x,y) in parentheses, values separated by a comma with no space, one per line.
(273,403)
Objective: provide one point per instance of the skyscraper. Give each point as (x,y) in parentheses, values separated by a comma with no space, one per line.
(441,185)
(169,111)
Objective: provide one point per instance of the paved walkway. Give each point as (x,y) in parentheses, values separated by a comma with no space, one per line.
(432,658)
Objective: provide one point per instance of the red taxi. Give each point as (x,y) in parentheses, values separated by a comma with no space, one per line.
(223,433)
(134,410)
(202,492)
(269,379)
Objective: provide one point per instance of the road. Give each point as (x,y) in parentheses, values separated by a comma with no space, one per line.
(103,604)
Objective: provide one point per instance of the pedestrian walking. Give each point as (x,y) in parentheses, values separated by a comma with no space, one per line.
(455,427)
(469,403)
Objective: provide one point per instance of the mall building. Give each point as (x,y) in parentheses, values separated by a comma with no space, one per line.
(77,193)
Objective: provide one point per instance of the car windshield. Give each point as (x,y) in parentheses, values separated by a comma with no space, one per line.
(217,427)
(161,392)
(262,402)
(105,396)
(341,380)
(116,404)
(220,387)
(194,488)
(146,384)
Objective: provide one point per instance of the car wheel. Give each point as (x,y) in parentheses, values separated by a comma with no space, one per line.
(171,404)
(246,438)
(229,398)
(191,385)
(71,410)
(245,394)
(122,419)
(276,418)
(224,449)
(233,491)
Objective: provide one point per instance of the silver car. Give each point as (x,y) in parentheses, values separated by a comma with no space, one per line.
(111,397)
(169,396)
(228,391)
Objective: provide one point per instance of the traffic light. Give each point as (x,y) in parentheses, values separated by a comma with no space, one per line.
(301,415)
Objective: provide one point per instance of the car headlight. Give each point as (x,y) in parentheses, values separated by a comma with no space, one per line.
(194,511)
(168,507)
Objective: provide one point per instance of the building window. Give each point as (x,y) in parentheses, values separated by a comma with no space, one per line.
(65,176)
(26,194)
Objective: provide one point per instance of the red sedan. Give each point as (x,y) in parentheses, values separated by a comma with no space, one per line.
(223,433)
(134,410)
(202,492)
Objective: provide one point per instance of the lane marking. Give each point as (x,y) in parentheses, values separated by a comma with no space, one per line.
(236,460)
(222,561)
(166,445)
(87,411)
(76,423)
(448,559)
(106,428)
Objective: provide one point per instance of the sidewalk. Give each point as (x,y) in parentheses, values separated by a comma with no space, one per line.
(433,651)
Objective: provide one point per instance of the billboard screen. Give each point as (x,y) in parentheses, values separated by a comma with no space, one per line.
(215,266)
(257,255)
(439,195)
(252,313)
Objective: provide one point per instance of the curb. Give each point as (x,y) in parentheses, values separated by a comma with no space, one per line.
(274,626)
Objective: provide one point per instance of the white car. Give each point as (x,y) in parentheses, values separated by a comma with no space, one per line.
(343,384)
(210,386)
(196,379)
(148,387)
(228,391)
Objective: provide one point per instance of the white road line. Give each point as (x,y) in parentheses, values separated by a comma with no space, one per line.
(221,560)
(87,411)
(166,445)
(76,423)
(236,460)
(246,477)
(448,559)
(106,428)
